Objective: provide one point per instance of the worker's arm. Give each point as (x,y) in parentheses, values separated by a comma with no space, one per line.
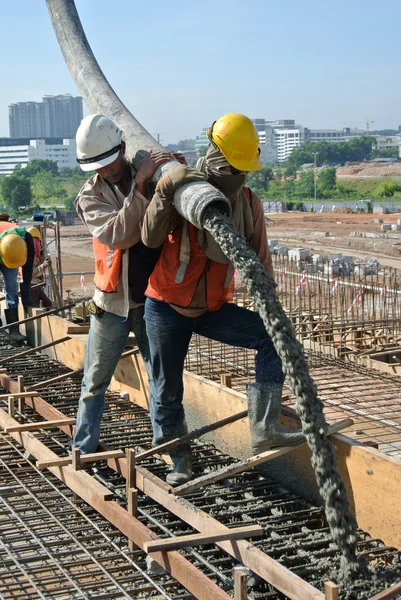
(28,266)
(161,218)
(96,206)
(113,227)
(258,241)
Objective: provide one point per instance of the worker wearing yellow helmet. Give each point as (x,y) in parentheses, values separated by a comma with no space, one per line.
(16,250)
(191,288)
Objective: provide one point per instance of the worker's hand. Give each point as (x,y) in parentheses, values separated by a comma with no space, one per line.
(47,262)
(180,157)
(149,165)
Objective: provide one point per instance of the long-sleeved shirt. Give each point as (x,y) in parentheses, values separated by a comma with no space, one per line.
(115,220)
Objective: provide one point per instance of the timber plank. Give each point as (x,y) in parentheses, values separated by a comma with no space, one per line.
(197,539)
(249,463)
(41,425)
(389,593)
(39,450)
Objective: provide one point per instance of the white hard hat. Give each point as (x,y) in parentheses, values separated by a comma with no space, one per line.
(98,142)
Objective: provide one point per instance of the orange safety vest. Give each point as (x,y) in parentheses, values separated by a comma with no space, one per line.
(107,266)
(4,225)
(165,284)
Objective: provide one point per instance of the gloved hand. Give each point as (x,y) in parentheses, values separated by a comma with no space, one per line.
(176,178)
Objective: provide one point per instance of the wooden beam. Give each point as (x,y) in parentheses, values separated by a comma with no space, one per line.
(330,590)
(76,459)
(244,551)
(77,329)
(24,394)
(226,380)
(191,435)
(100,498)
(3,361)
(200,539)
(41,425)
(35,447)
(266,567)
(240,583)
(249,463)
(84,458)
(389,593)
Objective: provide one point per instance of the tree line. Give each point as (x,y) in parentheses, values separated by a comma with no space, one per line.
(40,183)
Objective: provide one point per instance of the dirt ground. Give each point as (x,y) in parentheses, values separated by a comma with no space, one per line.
(291,229)
(370,170)
(307,230)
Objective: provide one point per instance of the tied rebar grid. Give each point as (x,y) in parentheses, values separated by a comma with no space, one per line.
(296,532)
(352,308)
(371,398)
(53,545)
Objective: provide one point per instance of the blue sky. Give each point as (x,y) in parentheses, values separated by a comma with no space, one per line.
(179,66)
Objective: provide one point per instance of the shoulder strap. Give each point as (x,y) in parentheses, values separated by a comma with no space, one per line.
(248,193)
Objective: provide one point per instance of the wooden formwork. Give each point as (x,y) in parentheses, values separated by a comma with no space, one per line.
(365,471)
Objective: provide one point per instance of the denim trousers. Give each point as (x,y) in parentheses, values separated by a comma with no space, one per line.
(10,277)
(169,336)
(107,338)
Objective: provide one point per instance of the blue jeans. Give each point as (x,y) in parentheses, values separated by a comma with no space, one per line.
(169,336)
(10,277)
(106,341)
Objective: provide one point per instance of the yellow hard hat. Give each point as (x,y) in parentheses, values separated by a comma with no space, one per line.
(34,232)
(13,250)
(237,139)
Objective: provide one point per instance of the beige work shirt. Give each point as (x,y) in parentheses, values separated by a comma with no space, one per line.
(115,220)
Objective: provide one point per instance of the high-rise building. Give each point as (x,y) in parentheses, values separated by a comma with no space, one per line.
(20,151)
(56,116)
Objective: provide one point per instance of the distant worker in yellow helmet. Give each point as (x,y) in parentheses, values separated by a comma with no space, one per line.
(16,250)
(189,292)
(40,264)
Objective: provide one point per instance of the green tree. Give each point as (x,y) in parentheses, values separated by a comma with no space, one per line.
(328,179)
(389,188)
(37,166)
(16,191)
(260,180)
(306,183)
(202,150)
(46,187)
(386,152)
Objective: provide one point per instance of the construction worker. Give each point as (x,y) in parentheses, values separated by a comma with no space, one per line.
(112,205)
(189,292)
(40,265)
(16,250)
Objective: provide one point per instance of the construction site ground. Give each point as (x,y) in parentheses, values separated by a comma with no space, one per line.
(292,229)
(298,229)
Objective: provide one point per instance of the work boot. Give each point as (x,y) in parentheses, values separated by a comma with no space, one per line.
(182,466)
(14,334)
(26,298)
(264,405)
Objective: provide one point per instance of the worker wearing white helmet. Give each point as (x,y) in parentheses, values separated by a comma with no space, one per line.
(112,204)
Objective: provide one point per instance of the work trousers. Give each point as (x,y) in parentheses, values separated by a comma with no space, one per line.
(107,339)
(169,336)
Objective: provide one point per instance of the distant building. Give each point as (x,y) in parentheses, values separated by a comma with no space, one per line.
(202,140)
(383,142)
(288,139)
(55,116)
(20,151)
